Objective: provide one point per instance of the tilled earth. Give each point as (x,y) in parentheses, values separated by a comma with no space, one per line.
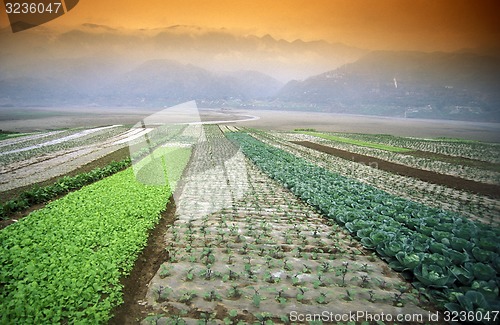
(243,248)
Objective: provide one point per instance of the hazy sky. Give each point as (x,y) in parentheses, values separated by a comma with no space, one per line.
(374,24)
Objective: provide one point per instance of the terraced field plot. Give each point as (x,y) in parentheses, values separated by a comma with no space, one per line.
(477,207)
(261,254)
(247,249)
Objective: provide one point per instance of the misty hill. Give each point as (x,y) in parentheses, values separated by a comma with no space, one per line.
(208,48)
(170,81)
(155,82)
(433,85)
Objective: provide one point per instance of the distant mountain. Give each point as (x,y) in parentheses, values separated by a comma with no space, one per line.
(211,49)
(170,81)
(435,85)
(155,82)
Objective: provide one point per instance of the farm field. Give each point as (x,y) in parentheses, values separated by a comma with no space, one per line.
(264,229)
(471,160)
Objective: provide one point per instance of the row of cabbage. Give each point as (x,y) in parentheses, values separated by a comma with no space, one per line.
(445,254)
(63,263)
(483,151)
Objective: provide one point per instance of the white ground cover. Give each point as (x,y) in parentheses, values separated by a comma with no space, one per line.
(465,172)
(243,248)
(483,151)
(58,159)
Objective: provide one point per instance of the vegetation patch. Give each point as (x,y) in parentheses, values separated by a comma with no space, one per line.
(444,254)
(63,263)
(357,142)
(65,184)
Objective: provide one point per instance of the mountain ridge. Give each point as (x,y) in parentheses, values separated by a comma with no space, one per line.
(435,85)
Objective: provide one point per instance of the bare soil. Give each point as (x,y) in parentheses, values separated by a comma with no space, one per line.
(489,190)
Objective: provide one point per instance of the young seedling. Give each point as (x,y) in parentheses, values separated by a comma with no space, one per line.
(172,254)
(343,271)
(269,262)
(165,271)
(287,266)
(320,282)
(398,297)
(234,292)
(207,273)
(372,296)
(365,281)
(277,252)
(280,297)
(306,269)
(230,319)
(284,319)
(301,295)
(190,275)
(325,267)
(321,299)
(264,318)
(316,232)
(163,293)
(212,295)
(205,318)
(384,285)
(232,275)
(153,319)
(256,298)
(349,296)
(244,249)
(296,280)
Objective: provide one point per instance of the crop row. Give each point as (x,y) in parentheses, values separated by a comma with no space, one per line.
(468,204)
(244,250)
(452,147)
(63,263)
(42,146)
(65,184)
(441,251)
(442,167)
(361,143)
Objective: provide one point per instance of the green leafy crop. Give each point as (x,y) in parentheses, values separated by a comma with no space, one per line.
(63,263)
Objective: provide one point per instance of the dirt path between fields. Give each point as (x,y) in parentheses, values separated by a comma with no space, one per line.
(489,190)
(135,285)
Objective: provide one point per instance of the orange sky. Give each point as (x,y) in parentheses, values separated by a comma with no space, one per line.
(374,24)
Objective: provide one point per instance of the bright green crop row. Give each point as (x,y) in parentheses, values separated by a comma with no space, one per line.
(63,185)
(452,258)
(358,142)
(63,263)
